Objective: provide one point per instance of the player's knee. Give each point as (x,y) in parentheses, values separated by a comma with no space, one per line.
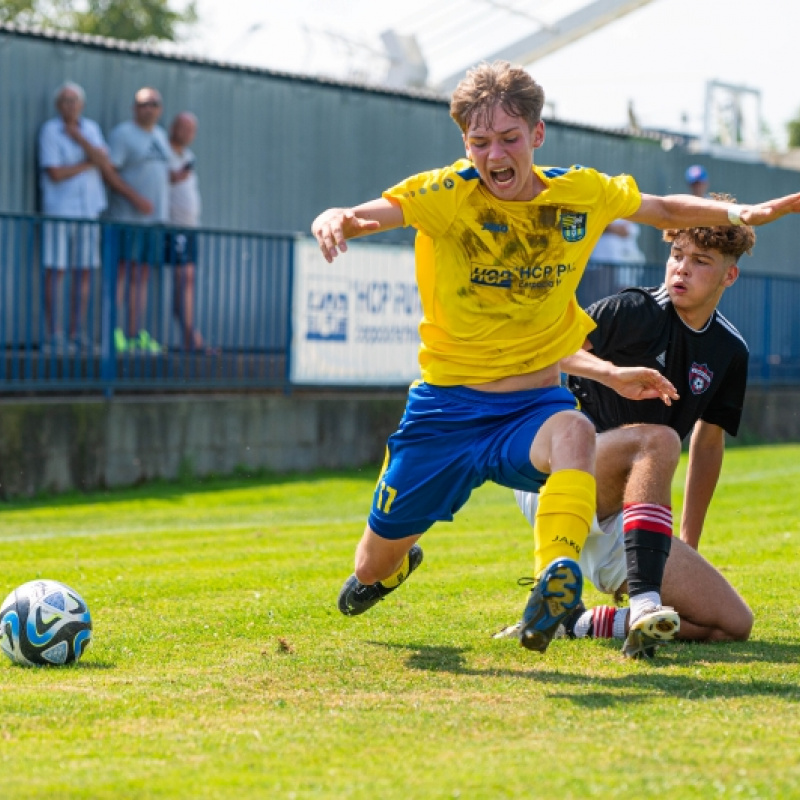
(661,439)
(735,626)
(659,442)
(565,441)
(742,624)
(576,432)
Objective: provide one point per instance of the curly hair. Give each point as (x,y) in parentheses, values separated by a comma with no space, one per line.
(489,84)
(730,240)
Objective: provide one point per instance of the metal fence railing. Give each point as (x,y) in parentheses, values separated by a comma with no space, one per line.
(102,307)
(105,307)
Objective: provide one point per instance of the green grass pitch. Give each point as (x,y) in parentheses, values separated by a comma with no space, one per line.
(220,667)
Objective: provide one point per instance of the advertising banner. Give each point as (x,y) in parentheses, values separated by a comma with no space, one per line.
(355,321)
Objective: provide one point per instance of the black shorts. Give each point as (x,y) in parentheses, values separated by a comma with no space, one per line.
(180,248)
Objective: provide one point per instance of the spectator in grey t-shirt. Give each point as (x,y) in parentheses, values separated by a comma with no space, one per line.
(139,150)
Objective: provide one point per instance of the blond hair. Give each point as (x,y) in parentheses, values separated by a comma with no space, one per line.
(488,85)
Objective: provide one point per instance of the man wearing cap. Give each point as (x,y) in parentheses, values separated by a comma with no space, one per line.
(697,180)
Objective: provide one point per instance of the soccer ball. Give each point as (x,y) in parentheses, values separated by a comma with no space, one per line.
(44,622)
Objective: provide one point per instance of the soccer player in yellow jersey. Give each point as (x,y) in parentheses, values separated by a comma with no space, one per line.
(501,246)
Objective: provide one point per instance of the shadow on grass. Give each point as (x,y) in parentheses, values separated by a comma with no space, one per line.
(94,665)
(162,489)
(82,666)
(453,660)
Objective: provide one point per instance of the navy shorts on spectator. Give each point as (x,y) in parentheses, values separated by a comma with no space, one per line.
(180,248)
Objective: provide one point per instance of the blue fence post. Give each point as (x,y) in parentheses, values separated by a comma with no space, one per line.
(108,310)
(26,308)
(765,365)
(17,309)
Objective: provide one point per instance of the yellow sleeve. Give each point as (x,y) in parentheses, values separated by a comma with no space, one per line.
(622,195)
(431,200)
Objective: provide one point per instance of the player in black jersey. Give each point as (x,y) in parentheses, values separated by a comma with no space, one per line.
(662,362)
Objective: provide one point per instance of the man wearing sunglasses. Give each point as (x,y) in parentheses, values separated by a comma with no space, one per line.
(139,150)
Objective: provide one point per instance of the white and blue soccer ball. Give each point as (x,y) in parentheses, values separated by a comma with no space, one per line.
(44,622)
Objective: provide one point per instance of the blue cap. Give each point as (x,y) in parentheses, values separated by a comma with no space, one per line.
(695,174)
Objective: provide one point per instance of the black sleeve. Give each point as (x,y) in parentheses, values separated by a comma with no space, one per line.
(725,408)
(623,324)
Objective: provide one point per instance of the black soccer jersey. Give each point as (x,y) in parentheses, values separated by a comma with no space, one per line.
(640,328)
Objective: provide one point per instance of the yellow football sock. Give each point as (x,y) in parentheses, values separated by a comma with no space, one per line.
(398,577)
(566,507)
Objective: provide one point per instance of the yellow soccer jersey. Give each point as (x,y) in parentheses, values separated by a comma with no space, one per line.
(497,279)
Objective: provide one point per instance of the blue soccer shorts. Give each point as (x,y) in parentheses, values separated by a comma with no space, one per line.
(452,440)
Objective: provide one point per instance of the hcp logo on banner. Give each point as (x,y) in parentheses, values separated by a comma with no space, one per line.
(356,320)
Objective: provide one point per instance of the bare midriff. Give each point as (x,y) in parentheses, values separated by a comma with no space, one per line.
(541,379)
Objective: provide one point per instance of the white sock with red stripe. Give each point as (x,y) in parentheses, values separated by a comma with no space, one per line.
(602,622)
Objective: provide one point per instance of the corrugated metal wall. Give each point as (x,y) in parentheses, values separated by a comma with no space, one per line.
(273,150)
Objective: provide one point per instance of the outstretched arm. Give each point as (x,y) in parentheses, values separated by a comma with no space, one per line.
(687,211)
(634,383)
(706,450)
(332,228)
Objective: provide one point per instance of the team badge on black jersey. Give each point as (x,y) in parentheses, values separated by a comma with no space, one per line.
(573,225)
(700,377)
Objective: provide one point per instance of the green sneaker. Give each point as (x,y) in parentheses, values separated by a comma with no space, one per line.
(145,342)
(121,344)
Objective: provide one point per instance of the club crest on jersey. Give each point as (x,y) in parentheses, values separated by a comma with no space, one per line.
(573,225)
(700,377)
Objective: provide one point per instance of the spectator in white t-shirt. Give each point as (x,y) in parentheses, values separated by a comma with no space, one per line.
(184,212)
(618,244)
(618,248)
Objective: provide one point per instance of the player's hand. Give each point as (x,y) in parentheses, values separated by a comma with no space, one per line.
(332,229)
(641,383)
(763,213)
